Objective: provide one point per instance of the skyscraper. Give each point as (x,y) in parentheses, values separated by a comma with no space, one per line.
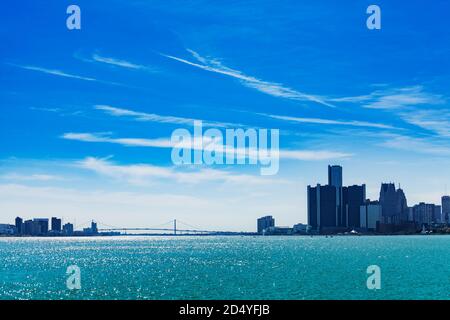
(393,203)
(323,211)
(335,176)
(446,208)
(335,179)
(353,198)
(334,207)
(402,205)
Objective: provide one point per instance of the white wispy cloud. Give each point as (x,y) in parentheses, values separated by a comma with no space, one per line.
(63,74)
(57,73)
(152,117)
(395,98)
(353,123)
(437,121)
(120,63)
(141,174)
(354,99)
(410,144)
(249,153)
(270,88)
(55,110)
(311,155)
(128,142)
(30,177)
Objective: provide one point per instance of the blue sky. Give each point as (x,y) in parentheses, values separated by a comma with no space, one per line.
(83,110)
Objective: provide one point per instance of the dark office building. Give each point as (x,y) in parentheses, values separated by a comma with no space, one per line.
(94,227)
(68,229)
(445,208)
(264,223)
(322,207)
(353,198)
(32,228)
(56,224)
(402,206)
(43,225)
(334,208)
(388,200)
(423,213)
(393,204)
(335,176)
(27,227)
(19,225)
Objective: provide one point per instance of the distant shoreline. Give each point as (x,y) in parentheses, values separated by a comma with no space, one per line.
(219,235)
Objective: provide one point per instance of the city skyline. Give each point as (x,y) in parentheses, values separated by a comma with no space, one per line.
(336,208)
(389,209)
(86,113)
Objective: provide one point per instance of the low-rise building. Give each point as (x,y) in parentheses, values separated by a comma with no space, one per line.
(68,229)
(43,225)
(7,229)
(31,228)
(300,228)
(278,231)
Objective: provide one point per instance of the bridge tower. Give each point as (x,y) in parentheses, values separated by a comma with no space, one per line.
(175,227)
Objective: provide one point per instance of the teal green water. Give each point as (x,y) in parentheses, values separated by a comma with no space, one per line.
(412,267)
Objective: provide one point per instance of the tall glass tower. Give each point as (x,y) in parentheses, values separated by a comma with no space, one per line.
(335,176)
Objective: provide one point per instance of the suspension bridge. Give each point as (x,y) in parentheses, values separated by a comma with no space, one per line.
(171,227)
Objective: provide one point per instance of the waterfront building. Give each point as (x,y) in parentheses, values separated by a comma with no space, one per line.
(43,225)
(410,214)
(278,231)
(92,230)
(32,228)
(94,227)
(264,223)
(393,203)
(19,225)
(353,198)
(68,229)
(323,211)
(56,224)
(35,227)
(445,202)
(437,214)
(300,228)
(27,227)
(7,229)
(424,213)
(370,215)
(333,208)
